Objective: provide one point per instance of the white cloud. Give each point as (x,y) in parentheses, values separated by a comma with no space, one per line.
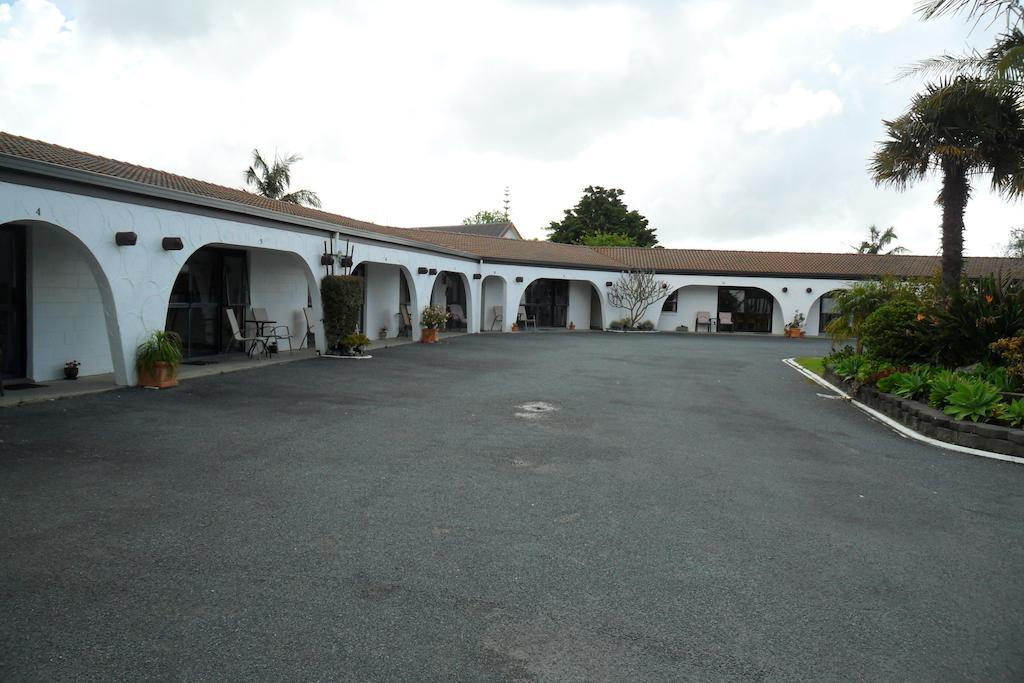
(795,108)
(418,113)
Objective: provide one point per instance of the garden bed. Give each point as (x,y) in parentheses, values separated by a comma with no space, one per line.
(935,423)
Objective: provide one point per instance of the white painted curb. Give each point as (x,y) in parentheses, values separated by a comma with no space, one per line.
(898,427)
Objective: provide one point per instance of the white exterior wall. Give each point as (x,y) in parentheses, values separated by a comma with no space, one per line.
(492,294)
(383,290)
(691,300)
(277,283)
(579,304)
(65,308)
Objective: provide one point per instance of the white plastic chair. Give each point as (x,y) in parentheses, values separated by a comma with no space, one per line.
(239,337)
(260,315)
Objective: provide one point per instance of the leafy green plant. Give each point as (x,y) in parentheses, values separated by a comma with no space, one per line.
(1010,350)
(973,399)
(434,317)
(898,332)
(342,299)
(1012,413)
(836,355)
(853,306)
(356,342)
(889,382)
(849,366)
(646,326)
(615,325)
(873,370)
(979,314)
(159,347)
(910,385)
(940,385)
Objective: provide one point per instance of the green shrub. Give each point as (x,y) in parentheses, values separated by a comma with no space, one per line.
(647,326)
(940,385)
(615,325)
(356,342)
(898,332)
(853,306)
(873,370)
(836,355)
(888,383)
(1010,350)
(979,314)
(973,399)
(1012,413)
(342,298)
(911,385)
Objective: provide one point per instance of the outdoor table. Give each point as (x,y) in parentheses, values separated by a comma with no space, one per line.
(260,324)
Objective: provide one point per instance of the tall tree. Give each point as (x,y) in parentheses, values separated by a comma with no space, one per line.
(601,210)
(878,240)
(959,128)
(608,239)
(486,216)
(272,180)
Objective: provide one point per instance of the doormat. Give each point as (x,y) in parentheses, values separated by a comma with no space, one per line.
(22,385)
(199,362)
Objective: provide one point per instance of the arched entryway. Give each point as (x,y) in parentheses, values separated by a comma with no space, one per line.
(557,303)
(389,299)
(751,309)
(56,305)
(451,292)
(492,304)
(821,313)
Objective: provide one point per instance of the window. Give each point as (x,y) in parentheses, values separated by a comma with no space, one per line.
(671,304)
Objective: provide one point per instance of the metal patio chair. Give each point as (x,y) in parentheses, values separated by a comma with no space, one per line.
(272,333)
(254,342)
(525,318)
(499,317)
(405,329)
(725,318)
(703,318)
(307,313)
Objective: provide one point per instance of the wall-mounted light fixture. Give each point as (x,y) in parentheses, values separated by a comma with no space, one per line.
(785,289)
(125,239)
(421,270)
(172,244)
(608,284)
(477,276)
(327,259)
(809,290)
(433,271)
(345,261)
(519,278)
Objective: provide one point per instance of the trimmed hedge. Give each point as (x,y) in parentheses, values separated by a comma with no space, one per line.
(343,298)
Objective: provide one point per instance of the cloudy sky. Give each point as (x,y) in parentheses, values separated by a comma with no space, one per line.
(729,124)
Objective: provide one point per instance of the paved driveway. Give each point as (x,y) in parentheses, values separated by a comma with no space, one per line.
(691,508)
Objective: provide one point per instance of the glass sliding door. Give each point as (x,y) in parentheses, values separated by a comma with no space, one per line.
(751,308)
(211,280)
(548,301)
(12,301)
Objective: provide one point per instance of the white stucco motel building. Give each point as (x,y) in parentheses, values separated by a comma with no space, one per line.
(97,253)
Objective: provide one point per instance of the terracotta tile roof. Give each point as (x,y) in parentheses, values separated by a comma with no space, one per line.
(839,266)
(696,261)
(485,229)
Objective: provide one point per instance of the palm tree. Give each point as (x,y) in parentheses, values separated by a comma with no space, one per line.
(960,128)
(878,240)
(273,180)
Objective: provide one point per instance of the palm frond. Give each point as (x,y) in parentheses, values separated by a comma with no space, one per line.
(302,197)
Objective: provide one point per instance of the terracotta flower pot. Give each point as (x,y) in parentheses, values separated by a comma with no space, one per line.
(161,376)
(429,335)
(71,372)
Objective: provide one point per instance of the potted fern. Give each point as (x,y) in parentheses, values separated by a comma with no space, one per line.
(157,359)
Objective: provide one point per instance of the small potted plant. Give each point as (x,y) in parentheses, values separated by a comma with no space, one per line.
(794,328)
(71,369)
(515,327)
(158,358)
(572,326)
(383,333)
(431,320)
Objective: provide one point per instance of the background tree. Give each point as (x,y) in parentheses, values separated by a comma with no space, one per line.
(486,216)
(878,240)
(960,129)
(601,210)
(272,180)
(1015,247)
(608,239)
(635,292)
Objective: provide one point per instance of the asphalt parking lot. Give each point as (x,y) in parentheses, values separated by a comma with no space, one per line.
(503,507)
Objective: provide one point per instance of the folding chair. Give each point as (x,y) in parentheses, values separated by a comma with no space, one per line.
(703,318)
(499,317)
(406,326)
(260,315)
(239,337)
(525,318)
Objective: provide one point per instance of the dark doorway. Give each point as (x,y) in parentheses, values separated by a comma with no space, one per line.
(211,280)
(548,301)
(12,301)
(826,311)
(751,308)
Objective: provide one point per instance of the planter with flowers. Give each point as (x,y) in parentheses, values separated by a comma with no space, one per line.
(794,328)
(71,369)
(432,319)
